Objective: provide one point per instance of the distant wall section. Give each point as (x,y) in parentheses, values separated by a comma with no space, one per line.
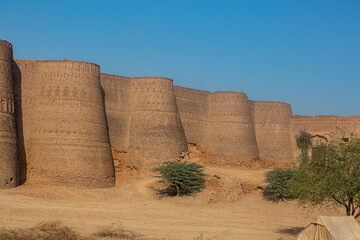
(333,128)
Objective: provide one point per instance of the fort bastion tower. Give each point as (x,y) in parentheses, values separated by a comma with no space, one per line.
(230,132)
(62,123)
(156,134)
(272,121)
(8,147)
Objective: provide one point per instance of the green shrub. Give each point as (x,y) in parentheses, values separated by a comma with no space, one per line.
(181,178)
(303,142)
(280,184)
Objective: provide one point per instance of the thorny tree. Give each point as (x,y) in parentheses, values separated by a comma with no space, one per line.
(333,172)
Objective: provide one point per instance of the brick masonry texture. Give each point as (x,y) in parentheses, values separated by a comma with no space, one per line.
(63,126)
(64,122)
(8,138)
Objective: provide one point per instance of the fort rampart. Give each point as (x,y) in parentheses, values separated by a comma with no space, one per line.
(8,147)
(60,119)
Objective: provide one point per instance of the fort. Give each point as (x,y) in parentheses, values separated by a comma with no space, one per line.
(64,122)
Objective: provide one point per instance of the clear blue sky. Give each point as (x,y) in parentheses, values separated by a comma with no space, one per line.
(303,52)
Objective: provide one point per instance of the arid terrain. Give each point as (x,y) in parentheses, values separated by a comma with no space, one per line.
(232,206)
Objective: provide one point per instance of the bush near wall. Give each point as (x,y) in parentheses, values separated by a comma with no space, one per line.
(181,178)
(280,184)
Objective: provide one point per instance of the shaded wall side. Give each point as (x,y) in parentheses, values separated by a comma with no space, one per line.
(63,123)
(272,122)
(117,105)
(8,137)
(230,134)
(156,131)
(333,128)
(193,109)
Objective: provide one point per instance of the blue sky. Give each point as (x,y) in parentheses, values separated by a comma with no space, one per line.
(303,52)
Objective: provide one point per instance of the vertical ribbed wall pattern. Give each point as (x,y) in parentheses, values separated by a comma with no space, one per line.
(156,131)
(8,147)
(63,124)
(272,122)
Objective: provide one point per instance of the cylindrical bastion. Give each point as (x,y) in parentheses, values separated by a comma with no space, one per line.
(63,123)
(230,133)
(8,146)
(272,122)
(156,131)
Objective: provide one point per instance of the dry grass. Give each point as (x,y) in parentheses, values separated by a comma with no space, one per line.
(118,233)
(53,230)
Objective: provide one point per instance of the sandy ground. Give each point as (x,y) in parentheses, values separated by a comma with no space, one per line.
(231,207)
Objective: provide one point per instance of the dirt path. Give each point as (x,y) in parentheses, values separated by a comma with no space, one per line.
(134,206)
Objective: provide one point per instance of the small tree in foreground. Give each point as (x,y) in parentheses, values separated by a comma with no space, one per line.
(333,173)
(181,178)
(279,184)
(303,142)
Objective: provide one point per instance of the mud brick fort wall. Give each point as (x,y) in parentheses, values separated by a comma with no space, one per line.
(8,148)
(64,122)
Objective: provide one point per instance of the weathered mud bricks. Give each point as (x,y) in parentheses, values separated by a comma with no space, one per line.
(156,131)
(8,147)
(193,109)
(230,132)
(272,122)
(63,123)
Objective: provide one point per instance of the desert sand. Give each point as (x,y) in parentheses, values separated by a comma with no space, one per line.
(232,206)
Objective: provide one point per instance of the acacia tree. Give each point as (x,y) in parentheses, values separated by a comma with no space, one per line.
(303,142)
(333,173)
